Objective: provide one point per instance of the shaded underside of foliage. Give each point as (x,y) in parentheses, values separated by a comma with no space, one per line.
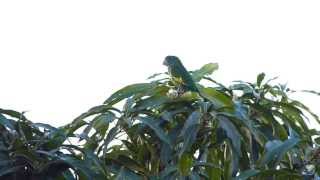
(151,131)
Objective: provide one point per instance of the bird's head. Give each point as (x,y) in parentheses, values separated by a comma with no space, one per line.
(171,61)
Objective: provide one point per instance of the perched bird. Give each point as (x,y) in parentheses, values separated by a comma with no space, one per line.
(179,73)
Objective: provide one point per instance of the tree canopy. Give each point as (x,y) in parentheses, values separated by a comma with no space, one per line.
(150,130)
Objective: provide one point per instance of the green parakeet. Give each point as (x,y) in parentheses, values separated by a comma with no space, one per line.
(179,73)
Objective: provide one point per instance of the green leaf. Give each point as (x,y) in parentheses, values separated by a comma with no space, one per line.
(6,122)
(151,123)
(101,122)
(304,107)
(244,87)
(54,168)
(190,130)
(214,158)
(279,174)
(232,133)
(293,113)
(247,174)
(13,113)
(195,176)
(150,102)
(129,91)
(170,169)
(312,92)
(205,70)
(130,163)
(216,97)
(95,110)
(110,137)
(184,165)
(6,163)
(45,126)
(276,149)
(99,165)
(9,170)
(154,75)
(166,154)
(193,119)
(56,139)
(80,166)
(68,175)
(126,174)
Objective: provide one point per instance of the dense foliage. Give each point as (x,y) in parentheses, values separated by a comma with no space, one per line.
(152,131)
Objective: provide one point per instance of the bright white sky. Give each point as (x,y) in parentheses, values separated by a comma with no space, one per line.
(59,58)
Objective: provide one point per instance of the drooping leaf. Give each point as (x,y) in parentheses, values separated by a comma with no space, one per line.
(101,122)
(166,154)
(95,110)
(13,113)
(110,137)
(6,122)
(190,130)
(304,107)
(231,132)
(193,119)
(151,123)
(276,149)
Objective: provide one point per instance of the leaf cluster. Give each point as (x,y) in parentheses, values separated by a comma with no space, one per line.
(148,131)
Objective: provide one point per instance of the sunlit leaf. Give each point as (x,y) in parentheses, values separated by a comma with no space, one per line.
(129,91)
(185,164)
(205,70)
(218,98)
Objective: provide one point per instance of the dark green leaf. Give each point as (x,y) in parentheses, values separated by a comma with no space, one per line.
(190,130)
(276,149)
(151,123)
(6,122)
(126,174)
(232,133)
(247,174)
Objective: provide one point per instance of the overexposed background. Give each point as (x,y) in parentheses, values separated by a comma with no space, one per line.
(59,58)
